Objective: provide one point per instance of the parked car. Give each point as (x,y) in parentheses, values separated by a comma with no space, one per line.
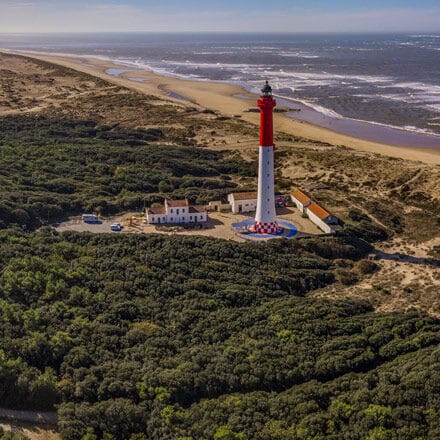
(116,227)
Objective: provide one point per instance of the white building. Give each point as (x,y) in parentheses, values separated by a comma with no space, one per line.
(177,212)
(322,218)
(243,202)
(301,200)
(316,213)
(218,206)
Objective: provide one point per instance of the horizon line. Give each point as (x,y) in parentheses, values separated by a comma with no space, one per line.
(423,32)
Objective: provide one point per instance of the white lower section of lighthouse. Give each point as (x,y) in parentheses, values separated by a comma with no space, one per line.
(265,218)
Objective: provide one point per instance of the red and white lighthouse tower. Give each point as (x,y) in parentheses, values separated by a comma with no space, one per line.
(265,218)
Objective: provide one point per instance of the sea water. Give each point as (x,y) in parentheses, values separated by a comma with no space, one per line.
(388,80)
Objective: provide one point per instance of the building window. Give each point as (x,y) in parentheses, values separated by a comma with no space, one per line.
(164,219)
(177,211)
(191,217)
(171,210)
(183,211)
(171,219)
(201,217)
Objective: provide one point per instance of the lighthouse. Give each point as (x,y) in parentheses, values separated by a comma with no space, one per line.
(265,218)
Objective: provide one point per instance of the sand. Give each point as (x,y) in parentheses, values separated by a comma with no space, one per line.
(219,225)
(222,98)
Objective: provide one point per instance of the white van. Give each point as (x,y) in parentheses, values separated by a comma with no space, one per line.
(90,218)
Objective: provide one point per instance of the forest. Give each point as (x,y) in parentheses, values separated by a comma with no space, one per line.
(189,338)
(161,337)
(50,169)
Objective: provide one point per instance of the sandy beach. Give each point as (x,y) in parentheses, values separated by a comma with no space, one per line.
(230,101)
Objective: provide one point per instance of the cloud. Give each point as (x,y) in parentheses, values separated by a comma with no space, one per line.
(51,16)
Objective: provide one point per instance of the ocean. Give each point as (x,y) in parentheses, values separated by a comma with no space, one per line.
(379,87)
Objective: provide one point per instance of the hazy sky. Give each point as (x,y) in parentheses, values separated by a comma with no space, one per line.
(219,15)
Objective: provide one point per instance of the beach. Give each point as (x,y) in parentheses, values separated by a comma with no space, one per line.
(229,100)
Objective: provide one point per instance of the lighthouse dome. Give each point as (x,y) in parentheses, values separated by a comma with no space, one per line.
(267,89)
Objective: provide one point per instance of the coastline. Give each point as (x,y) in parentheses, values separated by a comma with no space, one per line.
(229,100)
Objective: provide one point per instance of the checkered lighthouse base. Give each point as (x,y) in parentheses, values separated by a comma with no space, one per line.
(266,228)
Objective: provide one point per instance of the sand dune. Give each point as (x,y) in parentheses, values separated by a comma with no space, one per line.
(222,97)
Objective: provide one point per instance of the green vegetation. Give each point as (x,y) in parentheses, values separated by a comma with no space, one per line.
(51,169)
(189,337)
(361,225)
(8,435)
(383,197)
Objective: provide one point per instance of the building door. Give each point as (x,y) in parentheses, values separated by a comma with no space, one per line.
(240,209)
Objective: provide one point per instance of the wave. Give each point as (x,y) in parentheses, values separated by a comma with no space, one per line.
(409,128)
(365,49)
(425,36)
(321,109)
(332,114)
(429,88)
(311,104)
(214,53)
(420,130)
(431,103)
(286,82)
(434,107)
(300,78)
(297,54)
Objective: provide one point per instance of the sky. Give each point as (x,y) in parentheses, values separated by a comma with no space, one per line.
(21,16)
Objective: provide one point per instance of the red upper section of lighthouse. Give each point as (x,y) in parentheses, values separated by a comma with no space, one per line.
(266,104)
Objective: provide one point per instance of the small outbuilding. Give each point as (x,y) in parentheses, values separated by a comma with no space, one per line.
(218,206)
(321,217)
(177,212)
(315,212)
(301,200)
(243,202)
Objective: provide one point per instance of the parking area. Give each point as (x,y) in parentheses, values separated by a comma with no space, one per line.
(219,225)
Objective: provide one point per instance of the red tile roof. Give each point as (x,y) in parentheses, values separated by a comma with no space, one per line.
(156,211)
(301,197)
(197,209)
(245,195)
(319,211)
(177,203)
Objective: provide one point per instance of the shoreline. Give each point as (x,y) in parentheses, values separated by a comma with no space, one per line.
(229,100)
(300,110)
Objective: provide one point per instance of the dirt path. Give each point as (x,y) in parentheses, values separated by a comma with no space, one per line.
(36,425)
(37,417)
